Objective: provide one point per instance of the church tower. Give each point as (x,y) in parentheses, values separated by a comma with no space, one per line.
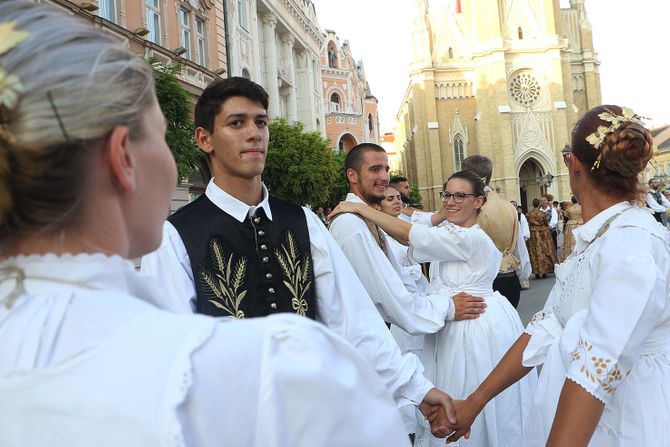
(503,78)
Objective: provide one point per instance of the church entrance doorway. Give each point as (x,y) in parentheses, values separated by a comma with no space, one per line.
(347,141)
(531,183)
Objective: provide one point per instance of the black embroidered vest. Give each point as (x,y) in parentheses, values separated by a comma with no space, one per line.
(251,269)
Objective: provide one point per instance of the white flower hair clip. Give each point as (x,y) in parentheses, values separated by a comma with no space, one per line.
(596,139)
(10,85)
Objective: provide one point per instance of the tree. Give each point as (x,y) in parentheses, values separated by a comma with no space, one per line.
(299,168)
(175,101)
(415,196)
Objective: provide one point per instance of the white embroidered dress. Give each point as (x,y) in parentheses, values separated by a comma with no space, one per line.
(606,326)
(460,356)
(86,359)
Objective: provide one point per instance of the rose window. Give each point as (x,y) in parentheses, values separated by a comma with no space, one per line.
(525,89)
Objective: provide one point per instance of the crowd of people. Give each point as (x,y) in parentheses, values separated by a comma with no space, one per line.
(255,321)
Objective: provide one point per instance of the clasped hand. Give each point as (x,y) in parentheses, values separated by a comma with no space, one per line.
(466,412)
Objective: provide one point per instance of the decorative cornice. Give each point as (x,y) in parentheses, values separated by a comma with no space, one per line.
(269,19)
(305,21)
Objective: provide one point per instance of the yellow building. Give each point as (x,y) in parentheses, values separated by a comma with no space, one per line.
(660,165)
(503,78)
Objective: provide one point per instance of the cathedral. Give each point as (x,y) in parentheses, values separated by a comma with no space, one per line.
(507,79)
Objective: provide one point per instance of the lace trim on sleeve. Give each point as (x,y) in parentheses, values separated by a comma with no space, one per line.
(534,321)
(594,370)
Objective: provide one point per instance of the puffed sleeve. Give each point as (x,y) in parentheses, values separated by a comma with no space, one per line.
(286,381)
(629,295)
(442,243)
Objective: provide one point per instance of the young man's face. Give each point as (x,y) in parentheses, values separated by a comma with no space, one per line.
(543,202)
(239,144)
(404,190)
(370,183)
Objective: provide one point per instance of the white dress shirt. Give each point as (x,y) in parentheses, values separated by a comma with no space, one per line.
(524,227)
(654,205)
(553,221)
(87,359)
(392,290)
(342,302)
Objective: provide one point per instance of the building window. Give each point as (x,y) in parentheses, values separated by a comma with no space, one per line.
(200,37)
(370,123)
(154,20)
(245,74)
(242,13)
(185,20)
(520,31)
(451,53)
(107,10)
(459,154)
(334,102)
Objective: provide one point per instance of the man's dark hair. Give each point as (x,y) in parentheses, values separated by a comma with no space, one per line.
(354,158)
(396,179)
(480,165)
(212,98)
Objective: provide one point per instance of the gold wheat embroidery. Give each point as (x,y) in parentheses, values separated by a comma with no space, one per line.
(599,370)
(226,281)
(296,273)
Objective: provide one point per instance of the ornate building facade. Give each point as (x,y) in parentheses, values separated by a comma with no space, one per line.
(503,78)
(350,109)
(186,32)
(278,44)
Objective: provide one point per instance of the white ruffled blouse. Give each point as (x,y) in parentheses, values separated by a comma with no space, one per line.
(87,359)
(606,326)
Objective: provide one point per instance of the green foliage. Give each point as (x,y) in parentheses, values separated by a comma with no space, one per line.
(300,167)
(415,196)
(341,185)
(175,101)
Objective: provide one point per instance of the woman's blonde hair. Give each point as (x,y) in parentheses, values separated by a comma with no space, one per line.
(78,84)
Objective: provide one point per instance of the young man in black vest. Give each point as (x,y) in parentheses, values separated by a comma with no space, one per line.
(238,252)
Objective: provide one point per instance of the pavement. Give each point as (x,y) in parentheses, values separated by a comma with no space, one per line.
(533,299)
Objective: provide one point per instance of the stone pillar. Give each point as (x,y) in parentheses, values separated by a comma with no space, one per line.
(271,85)
(305,88)
(292,101)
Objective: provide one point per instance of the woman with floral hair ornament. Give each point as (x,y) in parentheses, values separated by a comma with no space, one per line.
(86,357)
(603,337)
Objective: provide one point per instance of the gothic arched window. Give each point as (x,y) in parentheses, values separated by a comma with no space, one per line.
(370,123)
(245,74)
(520,31)
(459,153)
(334,102)
(451,53)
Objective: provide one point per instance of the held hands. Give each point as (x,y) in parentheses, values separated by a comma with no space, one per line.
(437,408)
(466,412)
(468,307)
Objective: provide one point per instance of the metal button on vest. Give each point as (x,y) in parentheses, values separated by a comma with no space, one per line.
(271,291)
(264,247)
(261,233)
(257,220)
(273,305)
(268,275)
(265,259)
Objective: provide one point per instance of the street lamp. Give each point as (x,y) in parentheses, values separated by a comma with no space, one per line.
(544,180)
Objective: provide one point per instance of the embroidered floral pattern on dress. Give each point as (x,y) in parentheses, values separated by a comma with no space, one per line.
(539,316)
(296,273)
(226,281)
(597,369)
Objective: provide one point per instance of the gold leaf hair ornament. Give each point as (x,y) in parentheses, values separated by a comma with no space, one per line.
(10,85)
(596,139)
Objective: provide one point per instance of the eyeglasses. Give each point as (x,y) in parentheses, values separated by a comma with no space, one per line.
(458,197)
(566,155)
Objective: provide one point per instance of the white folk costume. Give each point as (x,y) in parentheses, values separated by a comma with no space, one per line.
(461,355)
(408,342)
(606,327)
(87,359)
(245,264)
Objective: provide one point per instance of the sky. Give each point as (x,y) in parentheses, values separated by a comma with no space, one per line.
(631,37)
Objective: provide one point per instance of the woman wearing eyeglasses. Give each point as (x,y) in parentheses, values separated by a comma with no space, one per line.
(463,352)
(603,337)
